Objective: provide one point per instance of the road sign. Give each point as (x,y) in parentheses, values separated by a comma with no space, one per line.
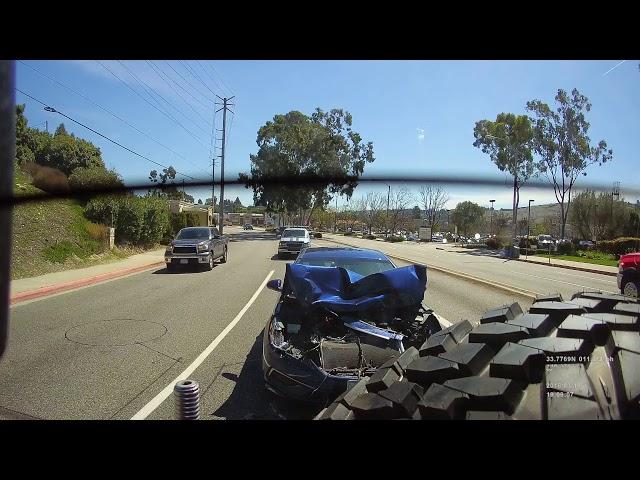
(425,233)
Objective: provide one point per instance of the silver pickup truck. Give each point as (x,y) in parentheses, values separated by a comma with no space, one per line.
(199,246)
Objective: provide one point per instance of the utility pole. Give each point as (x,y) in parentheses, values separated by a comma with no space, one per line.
(46,125)
(528,230)
(213,188)
(225,107)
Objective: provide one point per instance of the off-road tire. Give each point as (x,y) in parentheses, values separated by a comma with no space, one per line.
(573,359)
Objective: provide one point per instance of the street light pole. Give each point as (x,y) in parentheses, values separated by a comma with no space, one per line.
(528,229)
(386,228)
(491,227)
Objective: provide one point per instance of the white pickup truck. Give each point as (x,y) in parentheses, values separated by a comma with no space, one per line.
(293,241)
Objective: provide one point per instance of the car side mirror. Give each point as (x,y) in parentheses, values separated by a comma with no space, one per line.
(275,285)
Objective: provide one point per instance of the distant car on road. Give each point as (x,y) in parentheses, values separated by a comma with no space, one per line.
(293,241)
(247,226)
(199,246)
(585,244)
(629,274)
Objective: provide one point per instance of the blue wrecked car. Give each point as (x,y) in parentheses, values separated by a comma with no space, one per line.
(341,314)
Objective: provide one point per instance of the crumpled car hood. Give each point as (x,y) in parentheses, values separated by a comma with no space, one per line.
(344,291)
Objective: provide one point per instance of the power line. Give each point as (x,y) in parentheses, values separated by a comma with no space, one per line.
(209,76)
(143,83)
(220,77)
(108,111)
(166,114)
(162,75)
(53,110)
(189,83)
(193,72)
(208,107)
(173,106)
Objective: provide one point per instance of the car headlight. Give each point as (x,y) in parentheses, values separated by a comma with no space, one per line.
(169,250)
(202,247)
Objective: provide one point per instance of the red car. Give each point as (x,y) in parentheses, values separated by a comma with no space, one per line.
(629,274)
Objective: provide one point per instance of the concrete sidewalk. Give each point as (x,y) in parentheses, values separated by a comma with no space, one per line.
(583,266)
(29,288)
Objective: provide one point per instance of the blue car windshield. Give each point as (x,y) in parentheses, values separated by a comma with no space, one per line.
(360,266)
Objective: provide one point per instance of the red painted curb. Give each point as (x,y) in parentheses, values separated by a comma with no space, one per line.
(62,287)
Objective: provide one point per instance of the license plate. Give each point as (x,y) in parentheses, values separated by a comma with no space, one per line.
(184,260)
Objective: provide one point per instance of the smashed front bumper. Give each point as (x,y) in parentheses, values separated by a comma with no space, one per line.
(299,379)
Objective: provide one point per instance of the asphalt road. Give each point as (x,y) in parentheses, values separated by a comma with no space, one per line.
(107,351)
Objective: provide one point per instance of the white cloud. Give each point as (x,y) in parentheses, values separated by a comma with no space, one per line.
(420,134)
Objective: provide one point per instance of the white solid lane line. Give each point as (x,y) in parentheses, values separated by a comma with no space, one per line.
(145,411)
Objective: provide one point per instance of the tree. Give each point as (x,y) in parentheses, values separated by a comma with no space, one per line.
(509,143)
(600,216)
(398,204)
(88,178)
(237,205)
(467,215)
(372,215)
(166,180)
(416,213)
(433,201)
(61,130)
(561,140)
(322,149)
(199,201)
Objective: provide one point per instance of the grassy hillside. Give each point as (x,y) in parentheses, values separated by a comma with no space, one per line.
(54,235)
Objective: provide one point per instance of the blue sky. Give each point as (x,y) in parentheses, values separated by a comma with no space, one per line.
(418,114)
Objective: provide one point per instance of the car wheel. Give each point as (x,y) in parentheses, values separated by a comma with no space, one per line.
(224,256)
(171,267)
(630,288)
(210,262)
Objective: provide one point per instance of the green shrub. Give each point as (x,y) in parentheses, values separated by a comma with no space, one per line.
(619,246)
(493,243)
(370,237)
(140,221)
(566,248)
(46,179)
(394,239)
(348,234)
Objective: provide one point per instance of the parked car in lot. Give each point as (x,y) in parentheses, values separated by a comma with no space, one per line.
(293,241)
(585,244)
(629,274)
(332,326)
(196,246)
(247,226)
